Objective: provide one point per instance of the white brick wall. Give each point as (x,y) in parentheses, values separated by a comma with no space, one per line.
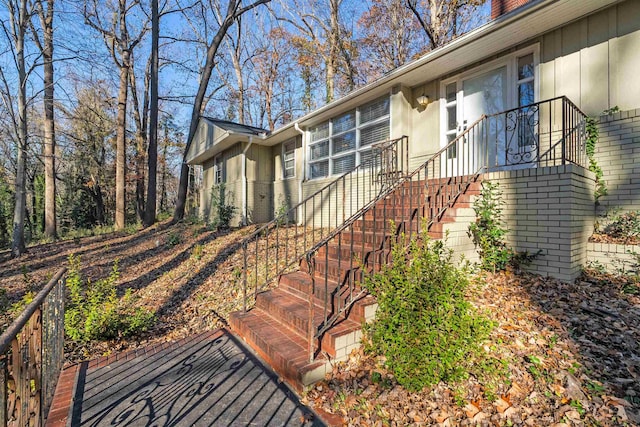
(618,154)
(549,209)
(611,256)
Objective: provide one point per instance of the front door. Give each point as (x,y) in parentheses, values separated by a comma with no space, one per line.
(466,101)
(510,136)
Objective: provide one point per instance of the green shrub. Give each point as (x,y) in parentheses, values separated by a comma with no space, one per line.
(174,239)
(424,326)
(488,232)
(95,312)
(222,208)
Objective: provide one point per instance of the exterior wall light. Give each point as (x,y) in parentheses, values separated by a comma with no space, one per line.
(423,100)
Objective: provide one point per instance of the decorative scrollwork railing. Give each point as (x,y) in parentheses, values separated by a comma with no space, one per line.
(31,358)
(546,133)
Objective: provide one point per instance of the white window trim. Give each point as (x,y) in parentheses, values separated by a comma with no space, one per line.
(284,145)
(357,150)
(511,62)
(218,169)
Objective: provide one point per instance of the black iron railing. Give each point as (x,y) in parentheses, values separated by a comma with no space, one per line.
(31,357)
(548,133)
(278,246)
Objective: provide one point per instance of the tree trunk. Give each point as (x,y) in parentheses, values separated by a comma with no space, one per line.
(50,230)
(152,155)
(237,67)
(141,138)
(18,245)
(332,63)
(121,144)
(232,15)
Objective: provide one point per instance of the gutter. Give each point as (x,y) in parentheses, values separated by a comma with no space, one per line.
(296,126)
(243,162)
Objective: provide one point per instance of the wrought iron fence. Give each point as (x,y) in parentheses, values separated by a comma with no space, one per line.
(547,133)
(279,245)
(31,357)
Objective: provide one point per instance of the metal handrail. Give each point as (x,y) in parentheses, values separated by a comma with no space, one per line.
(356,188)
(433,187)
(31,357)
(355,272)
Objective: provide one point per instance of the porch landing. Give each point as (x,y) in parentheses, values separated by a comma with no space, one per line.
(209,379)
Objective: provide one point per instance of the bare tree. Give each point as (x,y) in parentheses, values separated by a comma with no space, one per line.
(120,43)
(45,16)
(152,154)
(19,17)
(389,33)
(327,37)
(235,52)
(234,10)
(141,120)
(443,20)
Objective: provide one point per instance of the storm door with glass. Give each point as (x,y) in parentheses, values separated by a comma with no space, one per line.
(466,100)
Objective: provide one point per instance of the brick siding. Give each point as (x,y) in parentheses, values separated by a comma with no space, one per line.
(501,7)
(613,257)
(618,154)
(549,209)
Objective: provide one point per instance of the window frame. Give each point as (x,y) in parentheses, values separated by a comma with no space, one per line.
(358,149)
(284,158)
(510,60)
(218,170)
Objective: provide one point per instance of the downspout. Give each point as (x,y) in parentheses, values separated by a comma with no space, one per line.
(296,126)
(244,182)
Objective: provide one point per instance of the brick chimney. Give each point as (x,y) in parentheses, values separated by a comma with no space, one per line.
(501,7)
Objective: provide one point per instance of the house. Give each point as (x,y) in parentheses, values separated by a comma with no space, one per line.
(505,102)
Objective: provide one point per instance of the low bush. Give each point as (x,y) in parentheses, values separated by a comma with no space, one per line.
(488,232)
(95,312)
(424,325)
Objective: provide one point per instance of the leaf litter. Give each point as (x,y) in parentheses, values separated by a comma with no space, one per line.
(571,350)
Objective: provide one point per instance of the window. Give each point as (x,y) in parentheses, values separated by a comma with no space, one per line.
(289,159)
(451,109)
(526,94)
(527,117)
(217,170)
(338,145)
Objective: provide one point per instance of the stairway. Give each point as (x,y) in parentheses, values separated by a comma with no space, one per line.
(277,328)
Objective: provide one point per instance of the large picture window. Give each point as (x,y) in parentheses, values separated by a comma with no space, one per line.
(338,145)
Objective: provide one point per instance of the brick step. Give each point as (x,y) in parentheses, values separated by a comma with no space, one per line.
(377,240)
(379,224)
(340,248)
(399,198)
(299,284)
(286,352)
(293,312)
(390,212)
